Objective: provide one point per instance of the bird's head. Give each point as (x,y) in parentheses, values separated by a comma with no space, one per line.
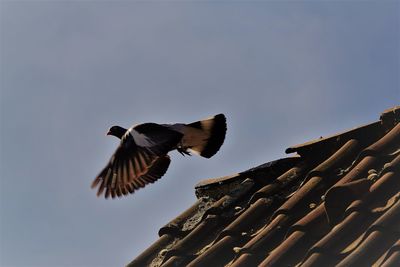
(116,131)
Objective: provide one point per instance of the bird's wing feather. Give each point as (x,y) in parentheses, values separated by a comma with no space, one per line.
(130,168)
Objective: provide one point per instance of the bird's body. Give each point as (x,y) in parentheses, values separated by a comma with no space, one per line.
(142,156)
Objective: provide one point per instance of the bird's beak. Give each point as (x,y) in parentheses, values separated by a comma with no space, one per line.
(108,133)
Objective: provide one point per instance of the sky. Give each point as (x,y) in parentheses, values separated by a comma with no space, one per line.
(282,72)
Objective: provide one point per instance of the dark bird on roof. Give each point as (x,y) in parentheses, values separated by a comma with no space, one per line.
(142,155)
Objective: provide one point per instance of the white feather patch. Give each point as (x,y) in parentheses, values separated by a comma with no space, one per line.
(140,139)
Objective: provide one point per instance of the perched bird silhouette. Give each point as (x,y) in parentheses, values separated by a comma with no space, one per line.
(142,155)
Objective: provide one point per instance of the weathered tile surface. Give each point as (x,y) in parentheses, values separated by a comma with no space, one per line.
(335,203)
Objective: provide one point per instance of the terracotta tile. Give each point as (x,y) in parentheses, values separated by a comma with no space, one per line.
(308,148)
(386,186)
(311,189)
(300,237)
(342,157)
(335,204)
(378,238)
(195,240)
(176,261)
(246,259)
(147,256)
(246,220)
(390,117)
(358,217)
(220,205)
(290,252)
(387,144)
(217,255)
(268,237)
(175,226)
(332,243)
(391,257)
(276,167)
(293,175)
(265,173)
(338,198)
(369,251)
(299,202)
(314,222)
(320,258)
(393,260)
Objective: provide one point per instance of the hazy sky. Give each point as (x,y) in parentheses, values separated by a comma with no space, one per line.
(282,72)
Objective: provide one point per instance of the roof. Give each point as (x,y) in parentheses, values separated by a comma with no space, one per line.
(336,201)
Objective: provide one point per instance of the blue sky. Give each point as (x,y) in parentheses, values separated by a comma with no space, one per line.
(282,72)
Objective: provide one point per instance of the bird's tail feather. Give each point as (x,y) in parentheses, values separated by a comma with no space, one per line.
(205,137)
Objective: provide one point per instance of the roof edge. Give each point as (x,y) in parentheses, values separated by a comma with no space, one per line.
(264,173)
(388,118)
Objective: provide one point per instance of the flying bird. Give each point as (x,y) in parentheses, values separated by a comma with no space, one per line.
(142,155)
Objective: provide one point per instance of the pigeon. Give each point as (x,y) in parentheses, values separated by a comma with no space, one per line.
(142,155)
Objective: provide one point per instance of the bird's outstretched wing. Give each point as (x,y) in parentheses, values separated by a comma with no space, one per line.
(130,168)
